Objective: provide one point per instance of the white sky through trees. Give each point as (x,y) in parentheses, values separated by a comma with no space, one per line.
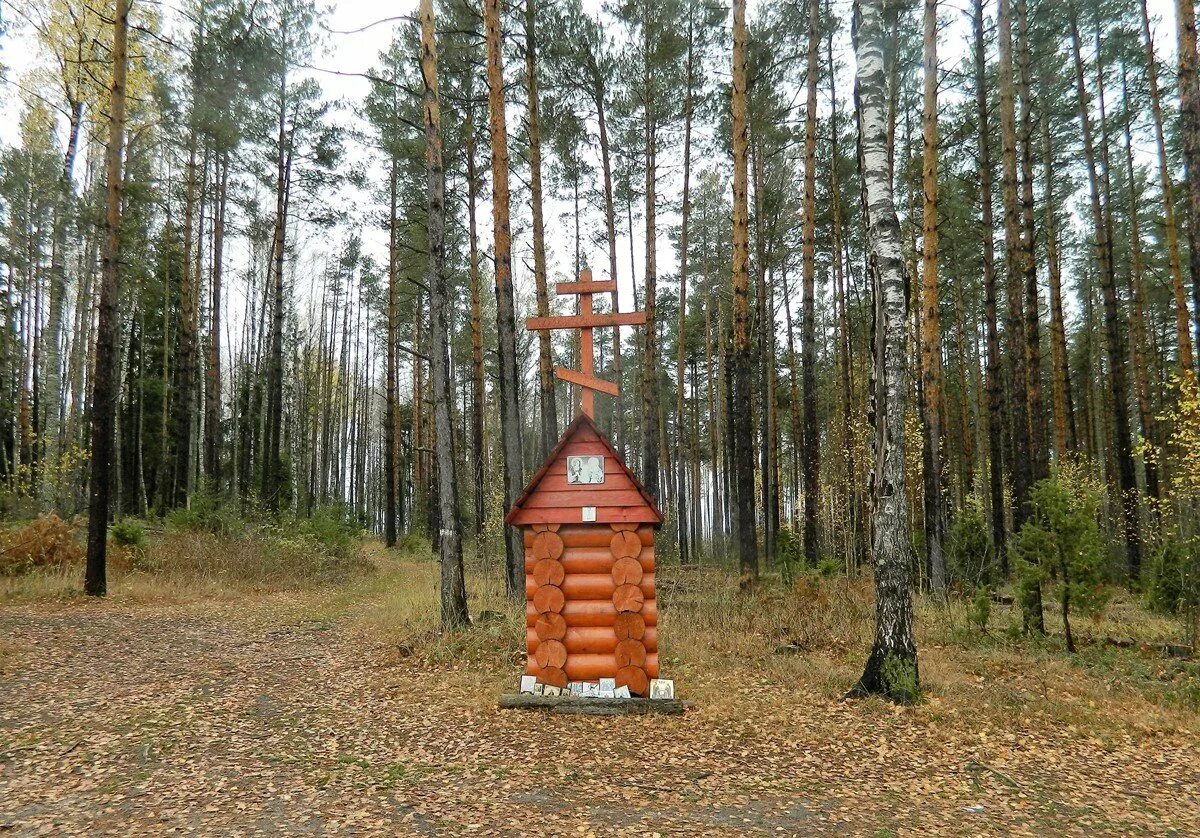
(354,39)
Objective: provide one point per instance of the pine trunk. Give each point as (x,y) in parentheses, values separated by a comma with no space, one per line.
(105,372)
(739,418)
(931,330)
(510,409)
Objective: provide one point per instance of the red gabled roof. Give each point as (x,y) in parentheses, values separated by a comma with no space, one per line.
(621,498)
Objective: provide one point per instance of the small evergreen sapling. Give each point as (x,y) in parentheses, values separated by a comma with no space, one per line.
(1062,539)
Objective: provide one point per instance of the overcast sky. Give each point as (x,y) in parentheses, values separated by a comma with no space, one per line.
(358,52)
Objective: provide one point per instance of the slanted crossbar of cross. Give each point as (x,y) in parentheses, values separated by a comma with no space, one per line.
(585,321)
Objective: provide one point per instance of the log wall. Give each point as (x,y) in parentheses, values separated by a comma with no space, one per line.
(591,612)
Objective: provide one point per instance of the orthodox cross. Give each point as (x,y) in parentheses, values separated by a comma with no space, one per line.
(585,321)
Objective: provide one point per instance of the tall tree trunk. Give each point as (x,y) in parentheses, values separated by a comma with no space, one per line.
(743,450)
(891,670)
(453,590)
(549,417)
(1189,119)
(212,397)
(1183,330)
(390,419)
(175,492)
(478,393)
(681,494)
(1137,314)
(854,552)
(271,459)
(610,227)
(995,398)
(1018,376)
(1114,340)
(1039,458)
(510,410)
(650,442)
(811,454)
(1065,438)
(105,373)
(931,321)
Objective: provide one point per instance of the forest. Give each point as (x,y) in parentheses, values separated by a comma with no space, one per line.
(921,284)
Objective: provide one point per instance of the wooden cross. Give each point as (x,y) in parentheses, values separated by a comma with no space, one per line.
(585,321)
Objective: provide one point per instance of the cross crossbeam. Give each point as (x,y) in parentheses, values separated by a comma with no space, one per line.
(589,384)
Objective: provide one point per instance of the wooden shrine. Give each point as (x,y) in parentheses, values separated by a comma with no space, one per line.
(589,528)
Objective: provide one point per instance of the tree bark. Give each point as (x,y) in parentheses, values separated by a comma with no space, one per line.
(510,409)
(390,472)
(743,453)
(1114,340)
(478,393)
(811,452)
(1189,119)
(453,590)
(1183,330)
(105,374)
(549,413)
(931,329)
(995,398)
(891,669)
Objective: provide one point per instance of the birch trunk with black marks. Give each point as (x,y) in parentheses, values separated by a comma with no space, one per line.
(891,669)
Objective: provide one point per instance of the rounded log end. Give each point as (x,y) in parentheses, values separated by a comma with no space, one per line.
(549,599)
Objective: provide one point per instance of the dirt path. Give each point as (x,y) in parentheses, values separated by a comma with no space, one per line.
(241,719)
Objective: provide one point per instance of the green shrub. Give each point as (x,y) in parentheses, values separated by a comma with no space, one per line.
(980,609)
(1173,584)
(970,556)
(789,552)
(128,532)
(204,513)
(1062,538)
(333,529)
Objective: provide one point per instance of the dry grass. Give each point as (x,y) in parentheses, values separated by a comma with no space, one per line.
(714,641)
(179,567)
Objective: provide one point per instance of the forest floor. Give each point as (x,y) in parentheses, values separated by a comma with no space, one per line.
(338,709)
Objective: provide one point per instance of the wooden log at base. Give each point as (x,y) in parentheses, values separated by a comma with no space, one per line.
(629,626)
(552,654)
(635,678)
(550,626)
(582,667)
(553,676)
(569,705)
